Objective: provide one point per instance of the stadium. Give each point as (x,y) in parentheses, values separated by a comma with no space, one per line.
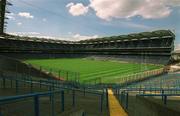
(127,74)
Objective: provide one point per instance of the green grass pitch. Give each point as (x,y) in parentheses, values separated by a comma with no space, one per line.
(92,69)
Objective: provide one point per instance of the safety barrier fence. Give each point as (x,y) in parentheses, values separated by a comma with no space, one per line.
(18,83)
(57,73)
(40,81)
(123,94)
(37,97)
(53,88)
(163,81)
(152,90)
(33,84)
(23,78)
(164,96)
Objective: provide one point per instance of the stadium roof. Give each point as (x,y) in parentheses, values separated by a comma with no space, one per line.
(130,37)
(136,36)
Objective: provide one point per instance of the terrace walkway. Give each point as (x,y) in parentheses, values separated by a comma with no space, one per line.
(115,108)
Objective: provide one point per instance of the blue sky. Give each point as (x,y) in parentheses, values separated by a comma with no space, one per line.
(81,19)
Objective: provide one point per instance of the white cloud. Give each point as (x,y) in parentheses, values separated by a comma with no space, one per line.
(31,34)
(73,37)
(19,23)
(44,19)
(77,37)
(109,9)
(69,4)
(77,9)
(25,15)
(35,34)
(24,33)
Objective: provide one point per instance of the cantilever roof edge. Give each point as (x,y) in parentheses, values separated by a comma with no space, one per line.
(132,36)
